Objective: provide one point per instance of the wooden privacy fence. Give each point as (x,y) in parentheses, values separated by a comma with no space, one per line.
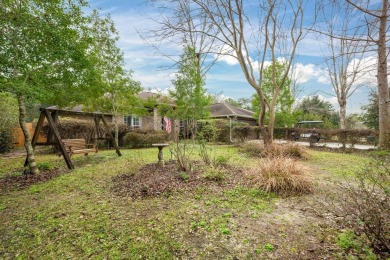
(18,136)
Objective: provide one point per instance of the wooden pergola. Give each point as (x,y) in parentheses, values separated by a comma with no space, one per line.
(51,114)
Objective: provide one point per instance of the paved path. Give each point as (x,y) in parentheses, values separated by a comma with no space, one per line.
(332,145)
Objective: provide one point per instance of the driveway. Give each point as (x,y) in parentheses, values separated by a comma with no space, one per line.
(332,145)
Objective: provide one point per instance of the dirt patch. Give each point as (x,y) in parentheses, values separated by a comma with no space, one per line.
(151,180)
(10,183)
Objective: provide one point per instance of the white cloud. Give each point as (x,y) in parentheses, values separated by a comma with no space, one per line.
(155,80)
(366,69)
(304,73)
(312,45)
(227,55)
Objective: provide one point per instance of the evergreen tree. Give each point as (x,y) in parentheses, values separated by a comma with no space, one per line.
(370,115)
(189,95)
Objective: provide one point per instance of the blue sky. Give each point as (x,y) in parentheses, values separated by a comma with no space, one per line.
(133,17)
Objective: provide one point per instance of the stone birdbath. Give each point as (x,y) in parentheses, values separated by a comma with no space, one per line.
(160,147)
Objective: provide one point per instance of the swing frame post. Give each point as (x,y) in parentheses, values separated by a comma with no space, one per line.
(51,114)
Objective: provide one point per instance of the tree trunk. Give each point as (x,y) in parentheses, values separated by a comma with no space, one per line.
(342,114)
(27,143)
(383,83)
(263,128)
(270,127)
(116,130)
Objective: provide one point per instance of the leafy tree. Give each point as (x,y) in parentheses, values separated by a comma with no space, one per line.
(47,56)
(284,115)
(189,95)
(315,108)
(8,120)
(245,103)
(370,115)
(9,112)
(353,121)
(119,88)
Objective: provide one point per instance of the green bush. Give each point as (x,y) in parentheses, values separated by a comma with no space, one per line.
(346,240)
(140,138)
(84,129)
(210,130)
(221,160)
(43,166)
(290,150)
(241,132)
(6,141)
(214,174)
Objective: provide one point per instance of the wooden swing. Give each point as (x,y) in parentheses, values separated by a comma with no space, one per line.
(67,147)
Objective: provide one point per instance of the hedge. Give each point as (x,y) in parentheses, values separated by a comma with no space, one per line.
(6,140)
(83,129)
(141,138)
(218,130)
(351,136)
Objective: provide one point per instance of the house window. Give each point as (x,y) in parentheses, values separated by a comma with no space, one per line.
(133,121)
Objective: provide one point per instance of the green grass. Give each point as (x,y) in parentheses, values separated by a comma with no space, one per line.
(339,164)
(76,216)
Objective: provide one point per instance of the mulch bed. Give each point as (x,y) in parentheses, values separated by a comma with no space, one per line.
(152,181)
(22,181)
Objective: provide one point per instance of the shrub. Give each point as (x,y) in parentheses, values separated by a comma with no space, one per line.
(365,204)
(207,130)
(346,240)
(214,174)
(182,155)
(295,150)
(353,245)
(43,166)
(275,150)
(280,175)
(6,141)
(343,136)
(221,160)
(281,133)
(85,129)
(139,138)
(252,149)
(205,153)
(183,176)
(241,132)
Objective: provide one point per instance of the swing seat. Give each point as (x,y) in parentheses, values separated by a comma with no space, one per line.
(78,146)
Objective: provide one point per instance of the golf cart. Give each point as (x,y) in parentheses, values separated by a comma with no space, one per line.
(309,133)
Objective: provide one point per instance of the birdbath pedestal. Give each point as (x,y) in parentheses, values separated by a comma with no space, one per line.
(160,147)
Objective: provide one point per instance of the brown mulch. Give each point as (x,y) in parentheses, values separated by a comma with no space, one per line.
(22,181)
(152,181)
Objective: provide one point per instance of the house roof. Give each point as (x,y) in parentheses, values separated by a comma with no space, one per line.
(147,94)
(159,97)
(225,109)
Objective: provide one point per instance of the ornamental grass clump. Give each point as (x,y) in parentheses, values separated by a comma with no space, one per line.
(280,175)
(284,150)
(274,150)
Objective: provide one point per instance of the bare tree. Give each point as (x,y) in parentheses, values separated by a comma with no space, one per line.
(257,35)
(344,58)
(182,26)
(372,32)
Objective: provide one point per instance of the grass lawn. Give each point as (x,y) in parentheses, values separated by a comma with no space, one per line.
(77,215)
